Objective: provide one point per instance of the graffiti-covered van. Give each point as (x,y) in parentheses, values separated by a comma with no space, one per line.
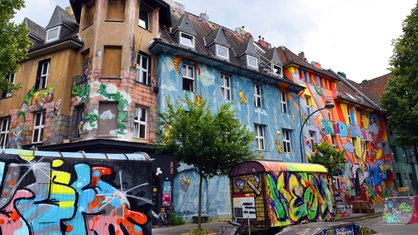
(74,193)
(274,194)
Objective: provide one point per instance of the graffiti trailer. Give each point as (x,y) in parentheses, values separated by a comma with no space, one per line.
(275,194)
(74,193)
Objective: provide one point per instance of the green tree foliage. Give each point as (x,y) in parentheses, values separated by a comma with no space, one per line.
(211,143)
(400,97)
(328,156)
(14,42)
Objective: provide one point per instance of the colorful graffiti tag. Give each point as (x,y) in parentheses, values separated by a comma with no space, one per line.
(44,195)
(401,210)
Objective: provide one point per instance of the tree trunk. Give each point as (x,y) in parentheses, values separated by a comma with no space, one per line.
(199,217)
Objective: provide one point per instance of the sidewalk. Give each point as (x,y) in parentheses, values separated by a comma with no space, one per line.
(213,227)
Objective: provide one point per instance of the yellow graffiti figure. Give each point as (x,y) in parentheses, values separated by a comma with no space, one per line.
(242,98)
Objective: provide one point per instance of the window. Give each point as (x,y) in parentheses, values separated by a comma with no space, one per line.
(11,79)
(144,17)
(308,104)
(259,136)
(38,127)
(353,141)
(53,34)
(350,121)
(399,180)
(4,131)
(287,147)
(140,122)
(329,115)
(111,61)
(333,140)
(276,69)
(42,75)
(188,77)
(222,52)
(257,96)
(312,137)
(116,10)
(283,101)
(393,153)
(142,68)
(411,180)
(226,87)
(186,40)
(363,120)
(108,118)
(252,62)
(88,13)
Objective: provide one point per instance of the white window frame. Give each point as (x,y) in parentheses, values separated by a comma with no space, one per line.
(4,131)
(259,137)
(141,72)
(226,87)
(287,141)
(12,79)
(257,96)
(144,23)
(140,122)
(38,127)
(43,75)
(222,52)
(283,102)
(188,77)
(48,34)
(252,62)
(187,40)
(308,104)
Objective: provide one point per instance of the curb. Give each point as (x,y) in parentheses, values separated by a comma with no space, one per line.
(360,217)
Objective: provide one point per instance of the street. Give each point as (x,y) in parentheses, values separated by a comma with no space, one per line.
(389,229)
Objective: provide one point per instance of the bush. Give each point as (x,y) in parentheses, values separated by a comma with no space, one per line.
(176,219)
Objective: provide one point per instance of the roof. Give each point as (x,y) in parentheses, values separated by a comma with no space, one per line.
(351,91)
(288,57)
(62,17)
(37,33)
(207,32)
(375,86)
(257,166)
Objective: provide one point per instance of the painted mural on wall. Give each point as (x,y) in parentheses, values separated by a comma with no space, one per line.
(36,99)
(215,195)
(103,91)
(401,210)
(43,195)
(368,172)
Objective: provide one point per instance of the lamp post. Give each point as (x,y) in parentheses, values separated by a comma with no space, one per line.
(328,105)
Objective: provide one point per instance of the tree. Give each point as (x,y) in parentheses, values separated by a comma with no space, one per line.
(211,143)
(400,97)
(14,41)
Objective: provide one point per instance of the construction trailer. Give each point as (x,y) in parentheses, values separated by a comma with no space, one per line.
(44,192)
(266,194)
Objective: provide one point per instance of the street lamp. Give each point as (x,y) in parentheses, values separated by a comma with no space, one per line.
(328,105)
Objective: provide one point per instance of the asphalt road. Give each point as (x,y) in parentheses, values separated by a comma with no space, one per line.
(389,229)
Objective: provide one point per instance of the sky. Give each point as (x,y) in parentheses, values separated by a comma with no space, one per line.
(350,36)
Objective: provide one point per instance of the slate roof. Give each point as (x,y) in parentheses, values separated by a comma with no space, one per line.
(37,33)
(62,17)
(207,32)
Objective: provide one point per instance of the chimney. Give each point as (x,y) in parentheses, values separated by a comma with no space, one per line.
(316,64)
(204,16)
(342,74)
(263,43)
(302,55)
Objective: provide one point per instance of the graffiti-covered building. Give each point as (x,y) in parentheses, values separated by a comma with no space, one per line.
(201,59)
(356,125)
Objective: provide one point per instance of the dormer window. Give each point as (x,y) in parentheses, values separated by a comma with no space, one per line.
(252,62)
(222,52)
(53,34)
(186,40)
(277,70)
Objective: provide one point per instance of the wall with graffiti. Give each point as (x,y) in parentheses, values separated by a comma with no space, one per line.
(289,196)
(401,210)
(368,173)
(45,195)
